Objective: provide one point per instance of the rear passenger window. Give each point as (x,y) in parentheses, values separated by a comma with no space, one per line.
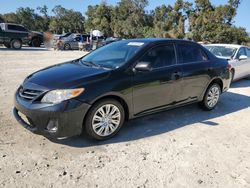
(160,56)
(191,53)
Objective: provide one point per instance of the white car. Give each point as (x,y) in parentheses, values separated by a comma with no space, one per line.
(238,56)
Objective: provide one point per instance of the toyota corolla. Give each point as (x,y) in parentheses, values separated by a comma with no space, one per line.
(97,93)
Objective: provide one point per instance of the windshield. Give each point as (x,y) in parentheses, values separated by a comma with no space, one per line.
(222,51)
(113,55)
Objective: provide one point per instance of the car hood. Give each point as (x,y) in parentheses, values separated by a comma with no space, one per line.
(66,75)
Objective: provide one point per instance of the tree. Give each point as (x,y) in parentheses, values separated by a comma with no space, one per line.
(99,17)
(215,24)
(27,17)
(1,19)
(128,18)
(66,20)
(169,21)
(10,17)
(45,17)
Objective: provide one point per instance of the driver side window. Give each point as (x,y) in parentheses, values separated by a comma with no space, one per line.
(160,56)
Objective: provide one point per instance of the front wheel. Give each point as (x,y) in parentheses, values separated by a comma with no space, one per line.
(16,44)
(67,47)
(104,119)
(211,97)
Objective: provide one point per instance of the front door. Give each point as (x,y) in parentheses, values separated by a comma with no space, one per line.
(160,86)
(240,65)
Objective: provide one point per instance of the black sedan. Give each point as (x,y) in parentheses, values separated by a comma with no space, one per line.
(123,80)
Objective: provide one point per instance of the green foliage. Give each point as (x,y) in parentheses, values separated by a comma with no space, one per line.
(128,18)
(1,19)
(99,17)
(199,21)
(66,20)
(10,17)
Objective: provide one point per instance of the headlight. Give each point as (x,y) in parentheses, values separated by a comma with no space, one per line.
(57,96)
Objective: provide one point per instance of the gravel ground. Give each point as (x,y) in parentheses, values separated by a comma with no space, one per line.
(185,147)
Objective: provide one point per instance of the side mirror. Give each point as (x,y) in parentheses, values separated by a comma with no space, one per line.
(143,66)
(242,57)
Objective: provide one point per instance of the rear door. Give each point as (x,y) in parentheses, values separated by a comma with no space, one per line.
(74,44)
(160,86)
(195,67)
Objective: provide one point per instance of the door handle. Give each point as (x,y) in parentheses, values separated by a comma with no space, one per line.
(176,75)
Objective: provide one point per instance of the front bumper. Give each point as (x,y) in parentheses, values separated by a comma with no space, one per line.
(66,116)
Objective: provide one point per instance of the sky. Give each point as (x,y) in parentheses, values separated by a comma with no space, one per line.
(81,5)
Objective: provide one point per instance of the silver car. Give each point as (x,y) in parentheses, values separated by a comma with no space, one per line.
(72,41)
(238,56)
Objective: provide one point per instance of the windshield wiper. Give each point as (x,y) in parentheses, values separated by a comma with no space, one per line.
(89,63)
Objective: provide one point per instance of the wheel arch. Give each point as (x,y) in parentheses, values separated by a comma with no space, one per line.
(118,98)
(217,80)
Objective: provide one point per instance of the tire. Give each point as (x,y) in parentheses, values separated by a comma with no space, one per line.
(211,97)
(67,46)
(100,126)
(7,45)
(16,44)
(35,42)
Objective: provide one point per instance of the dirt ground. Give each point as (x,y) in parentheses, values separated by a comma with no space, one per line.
(185,147)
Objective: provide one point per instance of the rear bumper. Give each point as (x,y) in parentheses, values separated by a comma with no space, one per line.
(66,117)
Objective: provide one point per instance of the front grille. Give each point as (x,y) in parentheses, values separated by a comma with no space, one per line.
(28,94)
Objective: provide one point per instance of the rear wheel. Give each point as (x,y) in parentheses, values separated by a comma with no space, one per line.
(36,42)
(104,119)
(16,44)
(211,97)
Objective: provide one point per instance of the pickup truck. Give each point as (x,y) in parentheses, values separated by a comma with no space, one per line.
(15,35)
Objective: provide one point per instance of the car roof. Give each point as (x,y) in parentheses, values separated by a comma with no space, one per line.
(148,40)
(11,24)
(226,45)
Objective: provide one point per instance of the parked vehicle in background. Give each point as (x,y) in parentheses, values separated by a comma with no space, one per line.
(35,38)
(120,81)
(60,36)
(72,41)
(238,56)
(12,38)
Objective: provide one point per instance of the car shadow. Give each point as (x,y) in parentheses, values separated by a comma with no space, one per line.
(167,121)
(24,49)
(241,83)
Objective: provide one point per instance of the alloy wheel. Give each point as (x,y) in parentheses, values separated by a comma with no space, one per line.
(213,96)
(16,44)
(106,120)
